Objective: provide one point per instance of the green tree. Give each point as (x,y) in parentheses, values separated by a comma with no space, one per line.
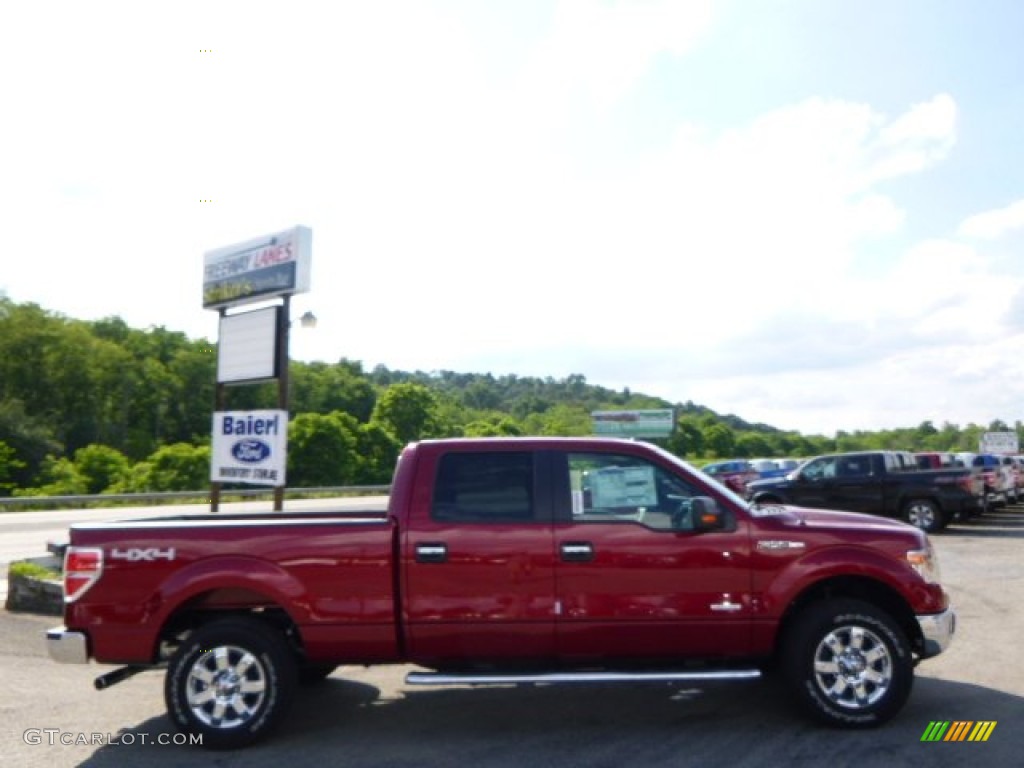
(720,440)
(322,450)
(496,425)
(408,412)
(376,453)
(175,467)
(752,445)
(562,419)
(101,467)
(321,388)
(8,465)
(30,439)
(688,438)
(58,477)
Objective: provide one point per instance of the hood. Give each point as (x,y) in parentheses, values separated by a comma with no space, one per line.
(829,519)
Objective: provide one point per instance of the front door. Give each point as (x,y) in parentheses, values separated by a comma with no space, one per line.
(634,580)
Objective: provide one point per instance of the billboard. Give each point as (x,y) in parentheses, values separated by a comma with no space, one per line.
(249,447)
(262,268)
(247,346)
(653,423)
(1000,443)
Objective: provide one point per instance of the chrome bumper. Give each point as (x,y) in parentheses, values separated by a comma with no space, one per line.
(937,630)
(66,646)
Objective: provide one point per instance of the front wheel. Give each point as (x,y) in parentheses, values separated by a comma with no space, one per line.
(924,514)
(230,682)
(848,664)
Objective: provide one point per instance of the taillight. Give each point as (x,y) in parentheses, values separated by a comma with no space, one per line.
(82,569)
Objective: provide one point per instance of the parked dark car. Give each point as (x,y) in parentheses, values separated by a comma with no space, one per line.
(876,482)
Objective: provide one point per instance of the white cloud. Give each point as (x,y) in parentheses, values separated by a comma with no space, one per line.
(992,225)
(606,47)
(458,223)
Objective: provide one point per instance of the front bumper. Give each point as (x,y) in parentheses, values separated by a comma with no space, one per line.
(67,646)
(937,629)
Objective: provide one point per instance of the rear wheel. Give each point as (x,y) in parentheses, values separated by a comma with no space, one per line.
(848,664)
(230,682)
(924,514)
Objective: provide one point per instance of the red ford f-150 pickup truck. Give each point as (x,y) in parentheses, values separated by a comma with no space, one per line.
(505,561)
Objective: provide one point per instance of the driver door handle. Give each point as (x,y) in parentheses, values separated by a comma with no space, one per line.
(577,552)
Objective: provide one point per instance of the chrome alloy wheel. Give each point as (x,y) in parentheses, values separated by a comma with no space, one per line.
(922,515)
(226,686)
(853,667)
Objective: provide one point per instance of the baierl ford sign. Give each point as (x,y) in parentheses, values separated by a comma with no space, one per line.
(249,447)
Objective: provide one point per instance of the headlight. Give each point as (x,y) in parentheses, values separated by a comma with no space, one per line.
(926,563)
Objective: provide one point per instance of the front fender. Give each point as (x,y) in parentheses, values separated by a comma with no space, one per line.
(848,561)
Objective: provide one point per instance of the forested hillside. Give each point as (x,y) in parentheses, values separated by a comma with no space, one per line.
(92,407)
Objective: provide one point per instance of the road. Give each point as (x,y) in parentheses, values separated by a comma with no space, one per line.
(368,717)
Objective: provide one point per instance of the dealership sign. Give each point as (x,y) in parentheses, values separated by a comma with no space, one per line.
(1000,443)
(654,423)
(258,269)
(249,447)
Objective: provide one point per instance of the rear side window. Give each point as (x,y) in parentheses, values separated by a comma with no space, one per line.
(491,487)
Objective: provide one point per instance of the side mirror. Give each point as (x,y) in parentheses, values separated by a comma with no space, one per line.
(708,516)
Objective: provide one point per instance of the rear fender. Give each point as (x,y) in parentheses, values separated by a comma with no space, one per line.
(234,573)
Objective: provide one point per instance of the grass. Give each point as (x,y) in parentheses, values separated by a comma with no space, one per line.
(33,571)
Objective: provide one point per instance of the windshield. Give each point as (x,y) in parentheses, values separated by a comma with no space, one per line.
(689,469)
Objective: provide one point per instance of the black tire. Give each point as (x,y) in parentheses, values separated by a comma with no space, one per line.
(847,664)
(310,674)
(230,682)
(925,514)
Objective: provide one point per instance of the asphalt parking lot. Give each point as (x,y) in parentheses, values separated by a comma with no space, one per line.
(51,716)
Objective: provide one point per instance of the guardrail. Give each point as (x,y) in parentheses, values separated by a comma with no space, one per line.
(163,496)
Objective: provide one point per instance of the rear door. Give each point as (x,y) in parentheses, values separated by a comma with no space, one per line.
(478,557)
(634,580)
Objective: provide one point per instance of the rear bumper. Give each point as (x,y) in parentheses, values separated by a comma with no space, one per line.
(67,646)
(937,629)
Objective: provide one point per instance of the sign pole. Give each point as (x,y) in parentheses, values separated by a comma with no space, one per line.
(283,328)
(218,405)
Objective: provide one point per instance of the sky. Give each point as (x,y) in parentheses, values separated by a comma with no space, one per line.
(807,213)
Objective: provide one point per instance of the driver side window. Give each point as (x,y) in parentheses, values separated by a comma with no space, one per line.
(615,488)
(820,469)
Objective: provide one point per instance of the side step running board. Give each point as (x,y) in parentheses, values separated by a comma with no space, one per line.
(444,678)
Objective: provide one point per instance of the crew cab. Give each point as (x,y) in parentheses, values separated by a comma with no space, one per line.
(876,482)
(509,560)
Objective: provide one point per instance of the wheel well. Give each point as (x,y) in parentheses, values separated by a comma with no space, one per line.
(217,604)
(920,497)
(767,498)
(859,588)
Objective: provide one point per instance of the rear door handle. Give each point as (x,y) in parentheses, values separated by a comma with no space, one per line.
(577,552)
(431,553)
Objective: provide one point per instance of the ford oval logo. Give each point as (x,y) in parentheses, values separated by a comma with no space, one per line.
(250,451)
